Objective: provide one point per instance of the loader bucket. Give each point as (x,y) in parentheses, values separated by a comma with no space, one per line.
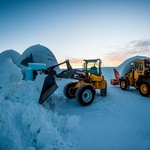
(48,88)
(117,78)
(114,81)
(116,73)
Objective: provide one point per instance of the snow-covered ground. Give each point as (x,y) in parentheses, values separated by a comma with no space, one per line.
(119,121)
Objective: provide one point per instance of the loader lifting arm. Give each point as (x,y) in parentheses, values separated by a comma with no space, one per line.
(49,70)
(50,85)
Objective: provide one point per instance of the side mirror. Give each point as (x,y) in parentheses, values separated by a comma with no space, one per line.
(132,66)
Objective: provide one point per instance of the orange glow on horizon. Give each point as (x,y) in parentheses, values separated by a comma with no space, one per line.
(105,63)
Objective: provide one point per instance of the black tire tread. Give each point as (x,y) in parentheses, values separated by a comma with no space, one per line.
(79,93)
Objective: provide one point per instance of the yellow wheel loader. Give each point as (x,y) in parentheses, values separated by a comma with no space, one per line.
(138,77)
(86,82)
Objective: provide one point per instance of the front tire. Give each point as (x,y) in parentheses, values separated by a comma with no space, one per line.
(69,90)
(85,95)
(124,84)
(144,89)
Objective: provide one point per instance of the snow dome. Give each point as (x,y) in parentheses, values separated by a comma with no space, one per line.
(126,65)
(14,55)
(38,54)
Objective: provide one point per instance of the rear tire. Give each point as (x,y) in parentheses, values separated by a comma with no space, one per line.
(144,89)
(69,90)
(104,91)
(85,95)
(124,84)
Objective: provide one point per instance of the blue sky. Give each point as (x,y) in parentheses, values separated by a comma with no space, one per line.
(112,30)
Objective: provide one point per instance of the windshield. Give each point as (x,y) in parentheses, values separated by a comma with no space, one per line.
(92,66)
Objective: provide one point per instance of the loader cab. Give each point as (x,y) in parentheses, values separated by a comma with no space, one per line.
(93,66)
(141,67)
(138,69)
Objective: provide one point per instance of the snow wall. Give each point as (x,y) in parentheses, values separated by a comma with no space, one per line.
(14,55)
(40,54)
(35,54)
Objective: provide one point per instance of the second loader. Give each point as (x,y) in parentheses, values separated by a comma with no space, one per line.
(83,89)
(138,77)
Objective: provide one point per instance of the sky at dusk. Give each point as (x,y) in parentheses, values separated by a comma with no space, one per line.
(113,30)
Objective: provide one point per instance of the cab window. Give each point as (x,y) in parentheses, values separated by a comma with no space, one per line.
(141,66)
(136,66)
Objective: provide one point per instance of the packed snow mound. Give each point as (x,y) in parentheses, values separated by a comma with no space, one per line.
(24,123)
(38,54)
(126,65)
(9,73)
(14,55)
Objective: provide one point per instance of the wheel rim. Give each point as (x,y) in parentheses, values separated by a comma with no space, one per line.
(144,88)
(123,84)
(87,96)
